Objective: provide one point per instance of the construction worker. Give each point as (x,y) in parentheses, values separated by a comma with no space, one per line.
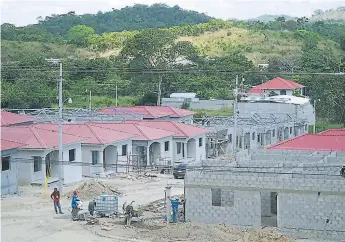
(92,206)
(75,209)
(174,205)
(55,196)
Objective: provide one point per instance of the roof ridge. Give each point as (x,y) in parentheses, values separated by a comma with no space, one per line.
(37,136)
(93,132)
(136,125)
(179,128)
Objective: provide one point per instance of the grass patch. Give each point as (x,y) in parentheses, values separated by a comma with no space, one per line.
(322,126)
(204,112)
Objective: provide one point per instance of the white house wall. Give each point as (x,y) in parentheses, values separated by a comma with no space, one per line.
(72,171)
(25,166)
(164,155)
(88,169)
(9,178)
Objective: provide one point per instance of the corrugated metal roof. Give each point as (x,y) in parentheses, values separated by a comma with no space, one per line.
(36,138)
(8,118)
(277,83)
(150,111)
(93,133)
(313,142)
(141,132)
(8,145)
(334,132)
(178,129)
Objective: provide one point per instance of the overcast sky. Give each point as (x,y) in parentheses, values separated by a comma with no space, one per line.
(23,12)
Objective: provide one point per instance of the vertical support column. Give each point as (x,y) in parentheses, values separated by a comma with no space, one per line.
(168,203)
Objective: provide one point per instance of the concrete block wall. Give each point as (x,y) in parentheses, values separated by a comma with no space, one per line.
(312,212)
(304,202)
(9,182)
(199,207)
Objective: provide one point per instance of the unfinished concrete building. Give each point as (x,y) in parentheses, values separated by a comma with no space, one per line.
(254,131)
(300,192)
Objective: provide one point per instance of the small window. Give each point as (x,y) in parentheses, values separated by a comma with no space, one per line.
(253,136)
(5,163)
(306,127)
(71,155)
(230,138)
(166,145)
(95,157)
(37,163)
(178,147)
(273,132)
(222,197)
(282,92)
(258,138)
(216,197)
(290,130)
(124,150)
(200,142)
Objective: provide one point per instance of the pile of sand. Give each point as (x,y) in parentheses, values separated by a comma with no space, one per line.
(206,233)
(93,188)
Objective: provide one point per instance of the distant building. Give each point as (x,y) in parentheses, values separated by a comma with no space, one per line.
(277,85)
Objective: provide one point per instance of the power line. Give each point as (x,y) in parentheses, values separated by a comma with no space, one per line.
(159,71)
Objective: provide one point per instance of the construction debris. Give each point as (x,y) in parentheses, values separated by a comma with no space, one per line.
(93,188)
(159,205)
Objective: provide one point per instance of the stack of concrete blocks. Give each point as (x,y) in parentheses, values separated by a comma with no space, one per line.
(310,196)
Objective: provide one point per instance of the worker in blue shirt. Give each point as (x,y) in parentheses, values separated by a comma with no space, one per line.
(174,205)
(74,204)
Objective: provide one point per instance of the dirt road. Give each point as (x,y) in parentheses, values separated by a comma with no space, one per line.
(30,217)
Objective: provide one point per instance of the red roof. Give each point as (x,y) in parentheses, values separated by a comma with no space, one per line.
(150,111)
(312,142)
(141,132)
(8,118)
(277,83)
(333,132)
(7,145)
(93,133)
(35,137)
(179,129)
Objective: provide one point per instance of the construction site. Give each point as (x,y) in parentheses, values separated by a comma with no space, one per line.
(253,176)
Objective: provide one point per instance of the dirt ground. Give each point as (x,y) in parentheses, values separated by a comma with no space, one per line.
(28,216)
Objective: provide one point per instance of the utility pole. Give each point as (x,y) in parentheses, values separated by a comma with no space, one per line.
(58,61)
(234,137)
(116,94)
(90,103)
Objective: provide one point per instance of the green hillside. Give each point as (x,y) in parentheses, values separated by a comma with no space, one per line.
(145,64)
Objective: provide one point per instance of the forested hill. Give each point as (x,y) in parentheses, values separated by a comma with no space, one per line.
(129,18)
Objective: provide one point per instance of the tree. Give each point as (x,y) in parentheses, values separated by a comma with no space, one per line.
(156,49)
(342,42)
(290,25)
(301,22)
(79,34)
(281,21)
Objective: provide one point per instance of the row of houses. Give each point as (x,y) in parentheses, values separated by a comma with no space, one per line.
(93,147)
